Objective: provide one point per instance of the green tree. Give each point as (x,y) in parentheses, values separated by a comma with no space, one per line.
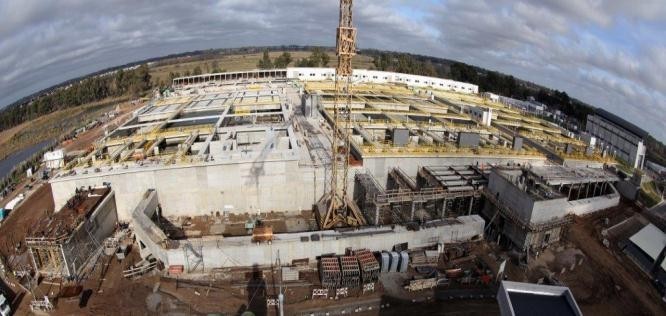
(216,66)
(283,60)
(196,71)
(265,61)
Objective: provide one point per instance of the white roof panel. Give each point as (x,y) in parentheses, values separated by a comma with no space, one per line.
(651,240)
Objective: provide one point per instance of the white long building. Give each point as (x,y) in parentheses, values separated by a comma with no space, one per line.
(321,74)
(382,77)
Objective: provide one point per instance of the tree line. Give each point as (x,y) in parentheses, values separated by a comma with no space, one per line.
(318,58)
(131,82)
(488,81)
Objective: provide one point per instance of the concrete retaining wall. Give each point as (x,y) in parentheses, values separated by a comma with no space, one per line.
(240,251)
(91,233)
(201,189)
(218,252)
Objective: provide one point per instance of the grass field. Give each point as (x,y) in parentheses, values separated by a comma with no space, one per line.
(240,63)
(51,126)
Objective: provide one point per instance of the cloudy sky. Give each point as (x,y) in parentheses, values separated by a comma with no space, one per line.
(610,53)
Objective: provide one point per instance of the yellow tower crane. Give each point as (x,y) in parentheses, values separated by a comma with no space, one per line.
(340,210)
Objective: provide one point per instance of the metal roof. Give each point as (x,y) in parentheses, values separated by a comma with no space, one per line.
(518,298)
(650,240)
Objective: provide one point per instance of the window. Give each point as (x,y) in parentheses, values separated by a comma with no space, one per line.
(374,77)
(312,75)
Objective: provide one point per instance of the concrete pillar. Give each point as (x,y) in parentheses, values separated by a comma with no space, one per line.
(569,196)
(443,213)
(580,185)
(471,203)
(411,217)
(376,215)
(587,190)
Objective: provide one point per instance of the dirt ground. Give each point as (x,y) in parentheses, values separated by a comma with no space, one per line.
(85,139)
(14,228)
(612,284)
(603,281)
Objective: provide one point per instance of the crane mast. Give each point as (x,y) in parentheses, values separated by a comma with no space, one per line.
(339,211)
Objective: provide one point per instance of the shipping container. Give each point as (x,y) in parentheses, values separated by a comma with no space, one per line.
(395,258)
(404,261)
(385,261)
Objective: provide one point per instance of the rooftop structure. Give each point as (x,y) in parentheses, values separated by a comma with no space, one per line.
(61,244)
(244,131)
(537,202)
(517,299)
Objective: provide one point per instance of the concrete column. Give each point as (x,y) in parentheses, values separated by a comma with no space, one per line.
(376,215)
(579,189)
(443,213)
(587,190)
(471,203)
(411,217)
(569,196)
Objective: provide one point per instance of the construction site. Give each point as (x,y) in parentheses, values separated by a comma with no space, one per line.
(310,191)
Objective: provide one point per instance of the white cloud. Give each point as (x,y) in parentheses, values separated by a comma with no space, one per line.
(610,53)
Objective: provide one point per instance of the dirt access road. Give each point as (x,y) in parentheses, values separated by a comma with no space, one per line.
(635,289)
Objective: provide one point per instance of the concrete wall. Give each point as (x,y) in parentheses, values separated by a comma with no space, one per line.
(628,188)
(591,205)
(91,233)
(547,210)
(192,190)
(511,195)
(149,237)
(240,251)
(217,252)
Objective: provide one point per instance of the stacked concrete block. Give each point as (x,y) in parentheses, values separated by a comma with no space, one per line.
(368,265)
(351,273)
(329,272)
